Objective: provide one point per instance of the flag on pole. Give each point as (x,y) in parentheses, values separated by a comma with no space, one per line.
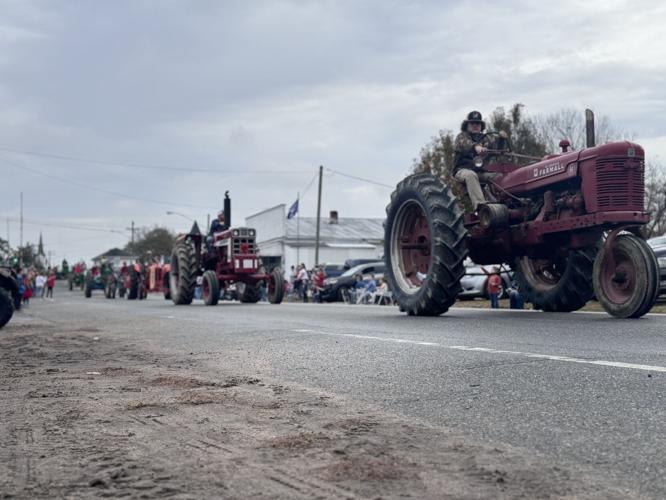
(293,210)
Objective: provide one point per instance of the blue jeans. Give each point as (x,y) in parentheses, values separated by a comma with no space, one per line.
(494,300)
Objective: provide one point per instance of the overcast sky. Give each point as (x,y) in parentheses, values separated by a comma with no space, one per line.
(265,92)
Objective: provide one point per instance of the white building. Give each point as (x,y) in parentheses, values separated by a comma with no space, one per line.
(287,242)
(115,257)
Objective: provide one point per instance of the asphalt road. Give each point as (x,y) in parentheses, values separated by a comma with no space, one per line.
(584,390)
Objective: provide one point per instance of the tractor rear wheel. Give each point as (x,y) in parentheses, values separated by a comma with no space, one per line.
(627,286)
(424,245)
(561,284)
(165,287)
(210,288)
(183,274)
(276,286)
(248,293)
(6,307)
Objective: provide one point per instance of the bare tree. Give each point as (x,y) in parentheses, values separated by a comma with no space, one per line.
(655,199)
(570,124)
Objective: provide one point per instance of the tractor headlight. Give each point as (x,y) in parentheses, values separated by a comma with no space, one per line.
(662,261)
(251,232)
(236,232)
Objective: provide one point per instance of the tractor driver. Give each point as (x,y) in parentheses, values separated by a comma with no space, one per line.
(472,142)
(216,226)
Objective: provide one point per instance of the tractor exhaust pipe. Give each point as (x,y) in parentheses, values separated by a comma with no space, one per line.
(227,209)
(589,128)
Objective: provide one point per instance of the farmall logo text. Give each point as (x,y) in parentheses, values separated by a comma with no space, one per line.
(551,169)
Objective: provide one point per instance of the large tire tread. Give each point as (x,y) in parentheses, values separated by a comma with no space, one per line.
(449,249)
(6,307)
(572,292)
(183,292)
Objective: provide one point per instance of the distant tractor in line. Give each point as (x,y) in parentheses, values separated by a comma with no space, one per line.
(568,225)
(224,258)
(77,276)
(96,279)
(138,280)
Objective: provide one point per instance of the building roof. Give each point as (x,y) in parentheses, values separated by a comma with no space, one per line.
(114,252)
(348,229)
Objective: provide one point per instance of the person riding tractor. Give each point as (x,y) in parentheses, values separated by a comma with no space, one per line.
(216,226)
(471,146)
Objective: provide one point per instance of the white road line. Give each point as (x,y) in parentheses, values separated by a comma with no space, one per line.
(566,359)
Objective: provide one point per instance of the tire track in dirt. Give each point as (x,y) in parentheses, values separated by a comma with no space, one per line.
(90,416)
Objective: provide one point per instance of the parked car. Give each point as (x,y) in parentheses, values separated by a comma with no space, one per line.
(334,270)
(333,287)
(349,263)
(660,252)
(658,241)
(474,283)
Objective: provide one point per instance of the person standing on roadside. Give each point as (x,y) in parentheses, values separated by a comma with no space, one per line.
(494,287)
(40,282)
(302,277)
(27,289)
(50,283)
(318,282)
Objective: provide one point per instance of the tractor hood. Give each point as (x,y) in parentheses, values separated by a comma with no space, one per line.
(558,168)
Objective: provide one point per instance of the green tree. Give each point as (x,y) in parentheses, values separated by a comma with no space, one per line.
(27,254)
(524,136)
(436,157)
(156,241)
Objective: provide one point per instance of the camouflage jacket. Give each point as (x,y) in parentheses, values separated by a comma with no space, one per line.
(464,148)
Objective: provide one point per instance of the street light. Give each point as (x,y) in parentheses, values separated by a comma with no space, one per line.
(169,212)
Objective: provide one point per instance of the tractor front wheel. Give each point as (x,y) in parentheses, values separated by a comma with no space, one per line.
(165,287)
(6,307)
(210,288)
(183,274)
(87,291)
(424,246)
(559,284)
(248,293)
(276,286)
(626,277)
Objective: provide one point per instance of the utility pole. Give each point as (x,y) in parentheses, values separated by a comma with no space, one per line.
(298,229)
(321,175)
(21,235)
(8,243)
(132,230)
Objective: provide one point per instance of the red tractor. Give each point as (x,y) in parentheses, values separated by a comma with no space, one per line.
(568,225)
(138,280)
(224,258)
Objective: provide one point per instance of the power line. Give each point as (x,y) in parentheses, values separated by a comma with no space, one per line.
(369,181)
(93,188)
(67,226)
(150,166)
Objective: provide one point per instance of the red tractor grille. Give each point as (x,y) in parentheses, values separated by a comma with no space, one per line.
(244,246)
(620,184)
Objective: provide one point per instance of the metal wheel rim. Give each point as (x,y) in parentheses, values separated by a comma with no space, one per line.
(543,274)
(411,247)
(619,281)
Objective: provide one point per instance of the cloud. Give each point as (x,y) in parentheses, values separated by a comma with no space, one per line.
(282,87)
